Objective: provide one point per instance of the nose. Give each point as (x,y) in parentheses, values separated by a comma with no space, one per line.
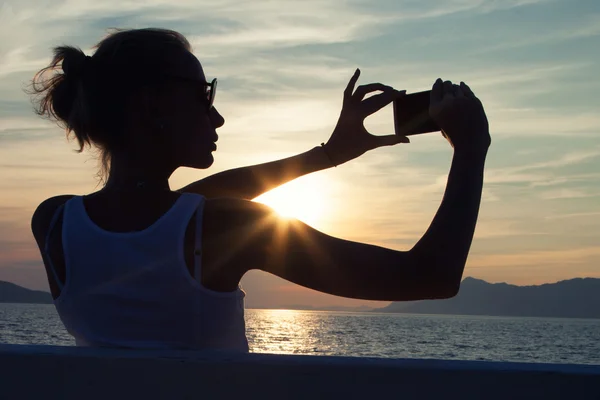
(216,118)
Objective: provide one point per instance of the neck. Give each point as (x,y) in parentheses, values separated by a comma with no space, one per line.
(128,174)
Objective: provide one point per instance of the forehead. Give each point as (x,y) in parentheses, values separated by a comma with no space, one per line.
(188,66)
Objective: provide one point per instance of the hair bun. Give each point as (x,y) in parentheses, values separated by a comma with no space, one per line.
(75,62)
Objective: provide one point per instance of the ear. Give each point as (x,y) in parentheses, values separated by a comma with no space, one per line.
(146,105)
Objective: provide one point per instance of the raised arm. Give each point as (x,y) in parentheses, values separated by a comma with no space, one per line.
(349,140)
(242,235)
(252,181)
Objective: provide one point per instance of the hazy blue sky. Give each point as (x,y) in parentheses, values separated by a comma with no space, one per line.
(282,66)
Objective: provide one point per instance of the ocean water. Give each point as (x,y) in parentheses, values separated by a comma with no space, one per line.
(542,340)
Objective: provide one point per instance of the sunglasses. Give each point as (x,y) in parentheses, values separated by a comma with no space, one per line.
(207,91)
(211,91)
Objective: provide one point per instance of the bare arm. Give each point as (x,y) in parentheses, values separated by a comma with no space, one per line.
(445,245)
(244,235)
(252,181)
(256,238)
(349,140)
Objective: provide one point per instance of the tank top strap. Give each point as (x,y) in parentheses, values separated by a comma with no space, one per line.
(55,218)
(183,210)
(198,238)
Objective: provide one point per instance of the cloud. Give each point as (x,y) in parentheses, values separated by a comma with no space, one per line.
(259,24)
(570,158)
(544,173)
(548,123)
(16,60)
(566,193)
(523,73)
(39,125)
(590,27)
(233,26)
(489,6)
(278,35)
(283,117)
(538,259)
(574,215)
(494,228)
(218,28)
(567,179)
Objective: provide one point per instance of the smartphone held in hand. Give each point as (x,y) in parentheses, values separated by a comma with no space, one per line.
(411,114)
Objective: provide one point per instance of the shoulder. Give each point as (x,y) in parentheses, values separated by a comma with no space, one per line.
(43,214)
(238,230)
(232,208)
(255,235)
(231,216)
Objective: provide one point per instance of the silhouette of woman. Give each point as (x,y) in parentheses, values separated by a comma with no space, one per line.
(137,264)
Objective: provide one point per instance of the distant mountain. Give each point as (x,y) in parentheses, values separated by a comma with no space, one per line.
(11,293)
(575,298)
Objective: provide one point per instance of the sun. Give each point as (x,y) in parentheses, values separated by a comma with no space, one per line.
(305,198)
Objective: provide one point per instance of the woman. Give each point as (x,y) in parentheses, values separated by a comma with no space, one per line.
(137,264)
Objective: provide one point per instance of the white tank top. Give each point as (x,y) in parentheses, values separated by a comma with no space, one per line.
(134,289)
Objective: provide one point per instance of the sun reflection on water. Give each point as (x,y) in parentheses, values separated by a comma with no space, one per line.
(284,332)
(281,332)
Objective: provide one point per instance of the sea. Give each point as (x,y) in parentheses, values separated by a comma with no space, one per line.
(448,337)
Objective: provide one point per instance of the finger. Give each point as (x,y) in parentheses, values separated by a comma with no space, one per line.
(378,101)
(363,90)
(437,92)
(448,88)
(390,140)
(350,87)
(458,92)
(404,139)
(467,90)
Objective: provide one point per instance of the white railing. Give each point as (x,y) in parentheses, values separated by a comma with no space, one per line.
(49,372)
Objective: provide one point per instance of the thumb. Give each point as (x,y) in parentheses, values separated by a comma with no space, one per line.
(390,140)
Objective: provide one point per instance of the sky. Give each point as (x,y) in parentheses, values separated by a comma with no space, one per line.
(282,67)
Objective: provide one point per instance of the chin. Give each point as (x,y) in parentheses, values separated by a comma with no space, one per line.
(202,162)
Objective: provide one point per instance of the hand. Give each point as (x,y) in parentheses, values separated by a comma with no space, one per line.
(350,138)
(460,115)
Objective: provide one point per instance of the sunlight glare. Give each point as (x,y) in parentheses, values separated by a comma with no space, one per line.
(305,198)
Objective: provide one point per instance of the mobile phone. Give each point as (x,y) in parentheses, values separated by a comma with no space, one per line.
(411,114)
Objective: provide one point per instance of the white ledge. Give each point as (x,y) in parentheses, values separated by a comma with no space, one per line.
(85,373)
